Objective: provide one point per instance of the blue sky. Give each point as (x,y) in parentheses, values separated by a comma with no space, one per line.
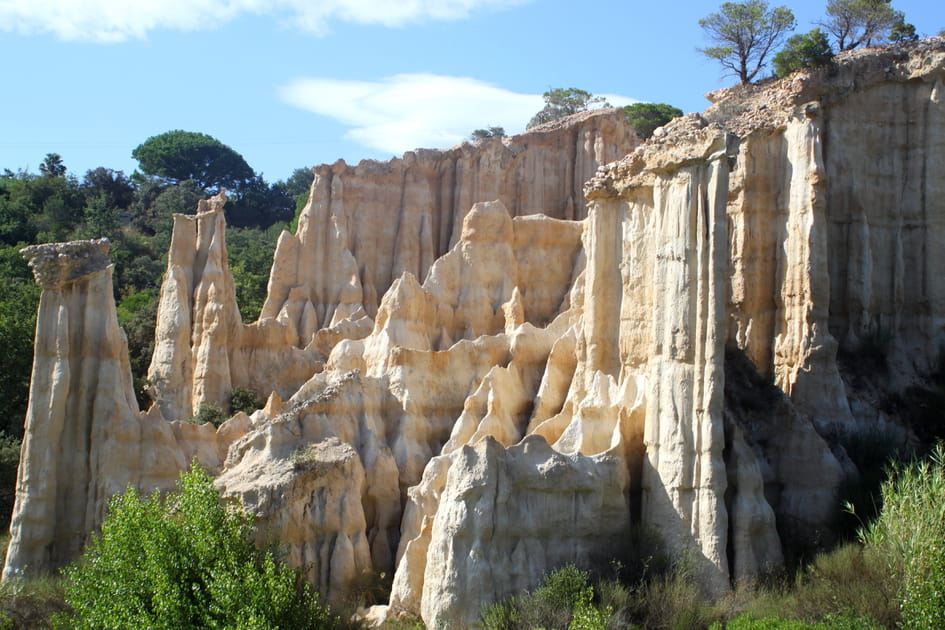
(292,83)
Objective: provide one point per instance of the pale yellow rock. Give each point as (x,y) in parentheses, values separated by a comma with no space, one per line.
(310,503)
(85,438)
(508,516)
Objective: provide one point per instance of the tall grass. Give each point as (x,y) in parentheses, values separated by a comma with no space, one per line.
(910,532)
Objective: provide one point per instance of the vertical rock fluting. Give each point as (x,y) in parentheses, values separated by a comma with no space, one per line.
(85,439)
(365,225)
(886,219)
(82,431)
(659,313)
(198,325)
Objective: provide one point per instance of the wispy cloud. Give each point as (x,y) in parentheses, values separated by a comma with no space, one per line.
(406,111)
(120,20)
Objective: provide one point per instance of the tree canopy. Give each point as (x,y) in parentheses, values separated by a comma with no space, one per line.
(176,156)
(806,50)
(745,33)
(561,102)
(855,23)
(479,135)
(646,117)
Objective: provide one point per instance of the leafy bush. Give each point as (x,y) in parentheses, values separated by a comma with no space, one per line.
(911,532)
(209,413)
(807,50)
(552,605)
(850,581)
(184,562)
(245,400)
(645,118)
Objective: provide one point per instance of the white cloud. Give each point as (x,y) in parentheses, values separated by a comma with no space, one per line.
(406,111)
(119,20)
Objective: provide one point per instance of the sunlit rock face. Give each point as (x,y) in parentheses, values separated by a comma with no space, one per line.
(487,362)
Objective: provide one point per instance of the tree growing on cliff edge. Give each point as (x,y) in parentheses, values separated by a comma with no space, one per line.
(807,50)
(745,33)
(561,102)
(646,117)
(855,23)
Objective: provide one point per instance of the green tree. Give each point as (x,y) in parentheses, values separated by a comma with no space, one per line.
(484,134)
(646,117)
(806,50)
(856,23)
(184,562)
(19,299)
(745,33)
(52,166)
(561,102)
(176,156)
(118,190)
(902,31)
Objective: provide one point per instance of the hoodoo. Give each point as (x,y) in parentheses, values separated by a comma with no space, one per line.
(487,362)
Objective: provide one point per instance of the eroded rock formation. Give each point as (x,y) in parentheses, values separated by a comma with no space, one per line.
(476,375)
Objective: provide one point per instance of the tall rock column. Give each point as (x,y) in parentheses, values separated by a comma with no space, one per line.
(82,431)
(199,329)
(657,291)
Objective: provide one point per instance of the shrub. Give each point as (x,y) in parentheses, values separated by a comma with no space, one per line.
(807,50)
(646,117)
(30,603)
(184,562)
(209,413)
(911,532)
(561,595)
(245,400)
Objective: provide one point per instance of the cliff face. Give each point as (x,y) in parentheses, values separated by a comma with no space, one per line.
(366,225)
(470,394)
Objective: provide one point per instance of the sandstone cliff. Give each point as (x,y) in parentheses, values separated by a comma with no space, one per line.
(467,393)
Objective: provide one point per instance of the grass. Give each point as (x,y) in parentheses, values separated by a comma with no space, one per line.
(29,603)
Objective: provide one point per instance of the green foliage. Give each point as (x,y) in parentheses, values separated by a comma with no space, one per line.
(30,604)
(745,33)
(209,413)
(586,616)
(848,582)
(178,155)
(647,117)
(911,533)
(9,461)
(184,562)
(902,31)
(832,622)
(855,23)
(245,400)
(52,166)
(260,204)
(561,102)
(19,299)
(479,135)
(551,605)
(249,254)
(806,50)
